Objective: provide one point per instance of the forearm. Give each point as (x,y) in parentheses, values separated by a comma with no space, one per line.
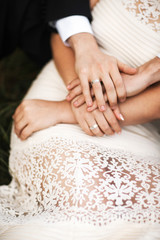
(64,59)
(142,108)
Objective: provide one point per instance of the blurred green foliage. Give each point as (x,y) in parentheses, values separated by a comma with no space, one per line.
(16,75)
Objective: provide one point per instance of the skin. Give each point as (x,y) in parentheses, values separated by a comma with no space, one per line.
(26,123)
(65,61)
(97,65)
(146,75)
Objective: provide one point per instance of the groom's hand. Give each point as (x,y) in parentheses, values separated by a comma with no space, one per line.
(93,66)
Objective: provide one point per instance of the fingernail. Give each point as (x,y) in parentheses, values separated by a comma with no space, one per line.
(89,108)
(119,133)
(75,103)
(69,86)
(102,108)
(121,117)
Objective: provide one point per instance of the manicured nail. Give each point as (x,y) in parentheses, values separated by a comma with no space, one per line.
(75,103)
(69,86)
(102,108)
(89,108)
(121,117)
(119,133)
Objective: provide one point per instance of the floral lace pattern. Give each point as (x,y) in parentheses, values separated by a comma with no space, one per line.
(146,11)
(68,180)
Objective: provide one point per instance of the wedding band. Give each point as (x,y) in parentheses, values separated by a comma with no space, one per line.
(93,127)
(95,81)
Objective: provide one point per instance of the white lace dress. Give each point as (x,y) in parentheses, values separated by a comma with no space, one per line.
(68,185)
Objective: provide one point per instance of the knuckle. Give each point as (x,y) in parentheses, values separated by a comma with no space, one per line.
(119,83)
(23,136)
(123,95)
(26,133)
(83,70)
(26,109)
(109,131)
(106,129)
(100,134)
(89,133)
(24,103)
(18,128)
(97,132)
(114,122)
(110,88)
(86,130)
(113,103)
(97,86)
(102,67)
(85,92)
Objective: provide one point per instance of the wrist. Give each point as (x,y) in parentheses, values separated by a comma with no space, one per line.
(65,113)
(82,41)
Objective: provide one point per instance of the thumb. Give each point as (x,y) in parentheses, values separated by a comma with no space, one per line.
(126,69)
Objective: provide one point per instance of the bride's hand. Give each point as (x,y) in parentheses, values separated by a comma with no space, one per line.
(146,75)
(34,115)
(77,98)
(106,122)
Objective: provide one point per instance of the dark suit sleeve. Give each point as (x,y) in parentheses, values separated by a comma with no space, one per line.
(57,9)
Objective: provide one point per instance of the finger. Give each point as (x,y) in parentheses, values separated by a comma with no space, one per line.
(97,88)
(17,111)
(74,92)
(94,106)
(79,101)
(111,119)
(26,132)
(73,84)
(86,90)
(92,92)
(102,123)
(93,126)
(110,91)
(118,114)
(85,127)
(119,84)
(19,126)
(126,69)
(18,117)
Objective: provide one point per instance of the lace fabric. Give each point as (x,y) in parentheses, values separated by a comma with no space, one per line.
(146,11)
(63,176)
(67,180)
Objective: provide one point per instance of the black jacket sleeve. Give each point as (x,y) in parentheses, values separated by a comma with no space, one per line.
(57,9)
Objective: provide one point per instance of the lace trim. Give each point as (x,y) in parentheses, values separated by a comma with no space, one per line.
(146,11)
(68,180)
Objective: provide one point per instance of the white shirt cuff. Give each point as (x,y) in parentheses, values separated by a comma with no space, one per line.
(72,25)
(158,55)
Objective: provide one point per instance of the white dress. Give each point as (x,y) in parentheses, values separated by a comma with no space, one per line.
(68,185)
